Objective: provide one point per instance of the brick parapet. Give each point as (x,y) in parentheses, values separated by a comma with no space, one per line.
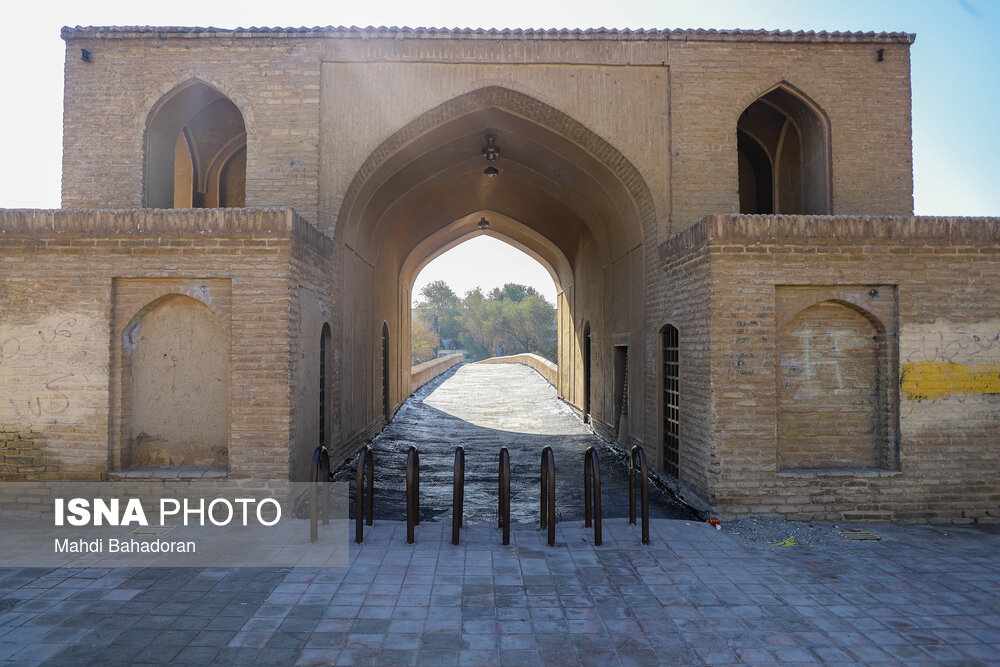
(280,222)
(832,230)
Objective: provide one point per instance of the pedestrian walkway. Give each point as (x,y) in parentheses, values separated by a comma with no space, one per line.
(693,596)
(483,408)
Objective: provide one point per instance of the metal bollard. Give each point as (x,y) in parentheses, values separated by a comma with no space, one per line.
(364,497)
(319,469)
(503,501)
(548,495)
(412,492)
(457,494)
(592,473)
(637,464)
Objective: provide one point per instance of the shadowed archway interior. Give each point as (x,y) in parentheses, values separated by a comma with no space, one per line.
(560,197)
(783,141)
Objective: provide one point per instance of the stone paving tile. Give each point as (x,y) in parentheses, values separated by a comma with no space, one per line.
(688,598)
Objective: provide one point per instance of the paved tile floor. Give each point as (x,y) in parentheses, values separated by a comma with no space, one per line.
(693,596)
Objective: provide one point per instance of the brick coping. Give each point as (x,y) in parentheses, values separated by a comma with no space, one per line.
(149,223)
(846,230)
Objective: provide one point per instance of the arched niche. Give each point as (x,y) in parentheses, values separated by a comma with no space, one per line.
(832,380)
(196,150)
(175,384)
(783,155)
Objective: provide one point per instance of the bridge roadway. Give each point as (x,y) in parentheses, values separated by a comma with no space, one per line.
(483,408)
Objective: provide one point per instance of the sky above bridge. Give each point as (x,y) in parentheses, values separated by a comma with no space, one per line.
(955,74)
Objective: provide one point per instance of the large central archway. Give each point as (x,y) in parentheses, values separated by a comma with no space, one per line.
(564,196)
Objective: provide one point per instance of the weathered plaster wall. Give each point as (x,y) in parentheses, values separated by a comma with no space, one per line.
(73,280)
(941,399)
(178,367)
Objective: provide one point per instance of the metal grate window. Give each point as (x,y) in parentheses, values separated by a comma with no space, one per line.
(671,402)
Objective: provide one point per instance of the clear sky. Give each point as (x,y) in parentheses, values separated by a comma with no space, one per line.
(955,73)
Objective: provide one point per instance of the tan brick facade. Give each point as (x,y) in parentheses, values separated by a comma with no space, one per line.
(832,367)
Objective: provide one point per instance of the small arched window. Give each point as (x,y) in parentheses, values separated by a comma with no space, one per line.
(782,142)
(196,150)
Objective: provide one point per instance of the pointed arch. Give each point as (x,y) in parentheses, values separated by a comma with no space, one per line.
(503,228)
(592,178)
(834,389)
(783,145)
(175,385)
(195,149)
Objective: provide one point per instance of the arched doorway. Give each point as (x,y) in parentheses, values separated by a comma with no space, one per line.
(196,150)
(562,195)
(783,140)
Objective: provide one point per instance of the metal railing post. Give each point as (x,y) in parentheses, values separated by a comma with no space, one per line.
(503,503)
(592,474)
(637,465)
(457,494)
(364,496)
(412,492)
(319,469)
(548,495)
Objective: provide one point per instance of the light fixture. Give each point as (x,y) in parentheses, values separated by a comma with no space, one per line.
(484,224)
(491,152)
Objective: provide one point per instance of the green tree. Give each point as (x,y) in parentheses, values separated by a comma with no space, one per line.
(513,292)
(440,310)
(529,325)
(480,319)
(424,343)
(509,320)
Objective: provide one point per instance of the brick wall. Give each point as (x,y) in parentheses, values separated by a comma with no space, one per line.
(22,454)
(942,419)
(273,81)
(61,320)
(682,299)
(324,109)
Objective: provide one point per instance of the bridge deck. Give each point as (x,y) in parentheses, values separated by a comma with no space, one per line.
(483,408)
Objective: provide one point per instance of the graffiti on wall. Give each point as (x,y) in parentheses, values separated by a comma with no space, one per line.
(941,361)
(45,366)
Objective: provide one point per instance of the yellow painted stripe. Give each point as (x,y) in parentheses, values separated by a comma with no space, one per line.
(935,379)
